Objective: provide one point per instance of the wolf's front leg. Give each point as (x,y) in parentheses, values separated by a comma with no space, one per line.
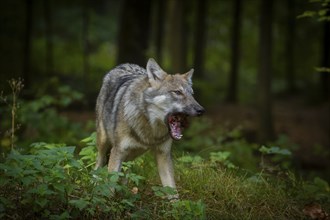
(166,172)
(115,160)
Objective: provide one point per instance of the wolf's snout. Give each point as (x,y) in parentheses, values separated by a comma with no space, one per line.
(200,111)
(195,110)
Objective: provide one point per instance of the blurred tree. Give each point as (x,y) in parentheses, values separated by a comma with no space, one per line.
(264,98)
(27,43)
(160,21)
(200,37)
(177,35)
(325,75)
(85,37)
(134,31)
(290,47)
(232,89)
(49,37)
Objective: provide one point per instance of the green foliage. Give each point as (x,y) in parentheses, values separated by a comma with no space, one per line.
(41,112)
(322,14)
(317,190)
(88,153)
(274,150)
(228,147)
(221,157)
(39,119)
(276,155)
(187,209)
(163,192)
(50,183)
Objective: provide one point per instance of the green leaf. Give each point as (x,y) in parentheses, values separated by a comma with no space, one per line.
(264,150)
(274,150)
(79,203)
(321,183)
(42,202)
(91,138)
(307,14)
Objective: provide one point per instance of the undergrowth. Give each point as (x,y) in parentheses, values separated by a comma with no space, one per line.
(51,182)
(223,176)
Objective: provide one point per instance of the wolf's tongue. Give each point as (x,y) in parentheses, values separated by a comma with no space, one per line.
(176,126)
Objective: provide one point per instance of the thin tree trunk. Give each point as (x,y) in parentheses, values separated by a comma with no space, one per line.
(134,31)
(200,38)
(177,41)
(85,36)
(325,76)
(266,130)
(49,38)
(27,43)
(290,45)
(232,90)
(161,11)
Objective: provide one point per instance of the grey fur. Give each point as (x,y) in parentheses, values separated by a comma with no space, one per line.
(132,110)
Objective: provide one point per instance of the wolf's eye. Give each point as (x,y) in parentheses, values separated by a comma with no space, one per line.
(177,92)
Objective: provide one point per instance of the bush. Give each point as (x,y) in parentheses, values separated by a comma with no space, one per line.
(51,183)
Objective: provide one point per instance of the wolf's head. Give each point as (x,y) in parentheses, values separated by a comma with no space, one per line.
(170,98)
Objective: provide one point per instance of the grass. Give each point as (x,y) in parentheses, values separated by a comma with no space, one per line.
(233,194)
(223,181)
(51,182)
(229,195)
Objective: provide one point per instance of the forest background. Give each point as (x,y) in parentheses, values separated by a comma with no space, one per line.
(261,71)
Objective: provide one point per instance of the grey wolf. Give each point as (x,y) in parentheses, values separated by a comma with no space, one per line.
(141,109)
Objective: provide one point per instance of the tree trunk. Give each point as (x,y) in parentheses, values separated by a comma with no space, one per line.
(49,38)
(290,45)
(265,130)
(232,89)
(27,43)
(325,76)
(177,37)
(161,11)
(134,31)
(85,36)
(200,38)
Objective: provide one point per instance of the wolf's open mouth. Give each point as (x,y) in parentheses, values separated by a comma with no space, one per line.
(176,123)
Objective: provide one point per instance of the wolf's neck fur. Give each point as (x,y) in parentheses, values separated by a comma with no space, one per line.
(146,122)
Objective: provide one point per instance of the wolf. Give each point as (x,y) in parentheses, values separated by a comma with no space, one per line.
(141,109)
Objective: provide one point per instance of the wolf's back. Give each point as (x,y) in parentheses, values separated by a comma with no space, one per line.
(117,85)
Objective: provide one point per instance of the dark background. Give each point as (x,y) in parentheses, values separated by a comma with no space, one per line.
(258,64)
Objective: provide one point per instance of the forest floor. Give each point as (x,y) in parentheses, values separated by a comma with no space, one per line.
(307,126)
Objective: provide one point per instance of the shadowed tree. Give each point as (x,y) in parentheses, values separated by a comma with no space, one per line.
(325,75)
(232,89)
(85,37)
(27,43)
(134,28)
(49,38)
(160,21)
(289,47)
(200,38)
(177,35)
(264,98)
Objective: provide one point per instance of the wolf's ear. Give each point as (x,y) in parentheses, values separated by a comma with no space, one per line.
(155,73)
(188,76)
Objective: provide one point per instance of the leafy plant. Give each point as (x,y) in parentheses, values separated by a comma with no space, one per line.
(50,183)
(277,156)
(40,118)
(13,106)
(222,158)
(88,153)
(187,209)
(322,14)
(317,190)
